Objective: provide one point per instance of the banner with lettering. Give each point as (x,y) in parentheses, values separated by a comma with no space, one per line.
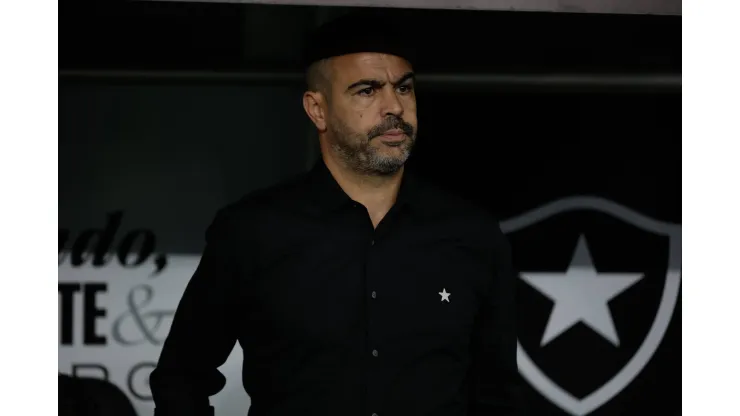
(116,310)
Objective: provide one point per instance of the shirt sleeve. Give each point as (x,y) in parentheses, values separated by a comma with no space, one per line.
(495,382)
(203,331)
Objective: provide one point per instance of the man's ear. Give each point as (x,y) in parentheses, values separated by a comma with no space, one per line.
(314,103)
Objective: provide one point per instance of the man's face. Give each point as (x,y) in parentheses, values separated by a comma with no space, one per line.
(372,111)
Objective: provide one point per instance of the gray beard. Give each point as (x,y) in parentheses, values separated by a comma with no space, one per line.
(355,152)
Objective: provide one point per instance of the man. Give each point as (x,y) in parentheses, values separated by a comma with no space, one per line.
(357,289)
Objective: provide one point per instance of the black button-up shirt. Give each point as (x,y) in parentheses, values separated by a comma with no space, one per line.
(337,317)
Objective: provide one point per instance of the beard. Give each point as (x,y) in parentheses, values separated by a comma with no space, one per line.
(357,153)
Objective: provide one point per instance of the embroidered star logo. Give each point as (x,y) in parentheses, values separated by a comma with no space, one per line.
(445,295)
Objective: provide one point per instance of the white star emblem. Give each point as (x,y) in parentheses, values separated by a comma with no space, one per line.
(445,295)
(581,294)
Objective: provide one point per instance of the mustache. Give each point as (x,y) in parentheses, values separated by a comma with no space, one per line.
(391,123)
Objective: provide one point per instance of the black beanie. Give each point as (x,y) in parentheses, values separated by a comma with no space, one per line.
(374,30)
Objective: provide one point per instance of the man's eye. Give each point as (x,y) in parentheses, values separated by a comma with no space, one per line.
(366,91)
(403,89)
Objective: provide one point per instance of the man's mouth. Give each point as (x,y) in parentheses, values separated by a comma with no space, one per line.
(393,135)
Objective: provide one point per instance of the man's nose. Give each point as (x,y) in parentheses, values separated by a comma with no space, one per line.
(392,105)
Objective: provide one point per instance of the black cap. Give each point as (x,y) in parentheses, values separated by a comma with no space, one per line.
(374,30)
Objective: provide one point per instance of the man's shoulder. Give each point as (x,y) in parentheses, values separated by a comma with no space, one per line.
(447,203)
(465,217)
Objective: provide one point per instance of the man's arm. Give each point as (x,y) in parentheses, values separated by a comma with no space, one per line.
(202,334)
(495,382)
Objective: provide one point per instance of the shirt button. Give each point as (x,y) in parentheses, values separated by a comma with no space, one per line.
(372,243)
(375,353)
(374,294)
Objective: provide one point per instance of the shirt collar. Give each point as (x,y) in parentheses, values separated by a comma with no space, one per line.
(325,195)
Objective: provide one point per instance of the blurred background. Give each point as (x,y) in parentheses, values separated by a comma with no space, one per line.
(565,123)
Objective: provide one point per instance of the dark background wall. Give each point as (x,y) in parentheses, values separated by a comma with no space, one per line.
(169,111)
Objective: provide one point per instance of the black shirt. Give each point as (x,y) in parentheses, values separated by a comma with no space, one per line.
(336,317)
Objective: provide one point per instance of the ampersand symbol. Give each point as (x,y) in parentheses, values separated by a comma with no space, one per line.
(148,323)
